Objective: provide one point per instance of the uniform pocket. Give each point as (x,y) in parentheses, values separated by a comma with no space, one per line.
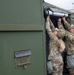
(70,61)
(49,67)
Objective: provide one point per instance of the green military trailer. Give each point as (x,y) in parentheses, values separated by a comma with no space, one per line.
(22,45)
(23,49)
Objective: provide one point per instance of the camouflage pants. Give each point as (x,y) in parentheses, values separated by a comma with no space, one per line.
(71,71)
(58,66)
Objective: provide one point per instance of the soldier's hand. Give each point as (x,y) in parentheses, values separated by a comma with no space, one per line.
(59,19)
(48,18)
(63,18)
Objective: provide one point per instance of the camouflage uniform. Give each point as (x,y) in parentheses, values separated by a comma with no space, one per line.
(54,47)
(67,25)
(60,26)
(69,42)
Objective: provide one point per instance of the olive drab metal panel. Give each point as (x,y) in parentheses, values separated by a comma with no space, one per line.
(20,12)
(22,42)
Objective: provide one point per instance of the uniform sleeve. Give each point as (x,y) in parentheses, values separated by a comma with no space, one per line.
(60,25)
(67,25)
(49,31)
(52,26)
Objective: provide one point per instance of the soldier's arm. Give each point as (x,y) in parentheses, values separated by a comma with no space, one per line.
(60,25)
(52,26)
(49,31)
(66,24)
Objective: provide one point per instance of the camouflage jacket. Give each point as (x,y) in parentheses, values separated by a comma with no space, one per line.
(60,25)
(54,44)
(68,39)
(69,42)
(52,26)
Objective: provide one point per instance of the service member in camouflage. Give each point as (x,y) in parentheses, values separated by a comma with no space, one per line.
(69,42)
(54,49)
(68,27)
